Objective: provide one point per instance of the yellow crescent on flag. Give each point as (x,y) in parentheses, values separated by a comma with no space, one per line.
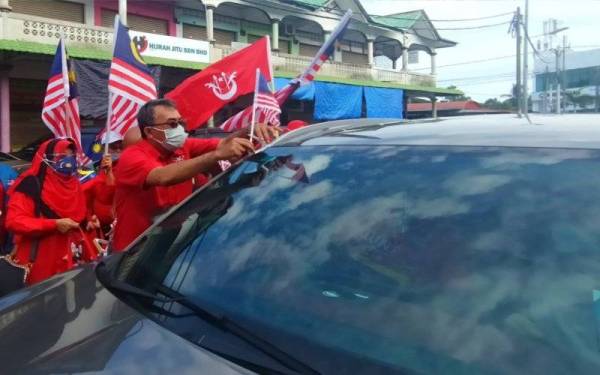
(136,54)
(96,148)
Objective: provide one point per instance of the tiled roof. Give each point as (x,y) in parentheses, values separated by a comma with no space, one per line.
(399,20)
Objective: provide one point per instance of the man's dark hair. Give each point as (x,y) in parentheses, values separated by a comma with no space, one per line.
(145,116)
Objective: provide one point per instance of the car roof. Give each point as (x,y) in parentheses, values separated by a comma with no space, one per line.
(558,131)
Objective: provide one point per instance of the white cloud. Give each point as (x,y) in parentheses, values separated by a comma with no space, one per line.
(462,185)
(309,194)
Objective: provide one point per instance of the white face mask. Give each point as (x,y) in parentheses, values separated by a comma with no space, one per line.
(174,137)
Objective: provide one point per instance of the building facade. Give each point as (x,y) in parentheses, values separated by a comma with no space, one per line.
(29,31)
(577,80)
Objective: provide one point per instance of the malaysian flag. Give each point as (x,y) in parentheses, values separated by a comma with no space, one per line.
(130,83)
(60,111)
(266,106)
(244,118)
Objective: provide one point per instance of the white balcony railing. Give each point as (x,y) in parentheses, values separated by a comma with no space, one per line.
(20,27)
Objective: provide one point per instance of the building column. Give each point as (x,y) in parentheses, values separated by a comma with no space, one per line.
(394,63)
(404,59)
(210,35)
(433,66)
(434,113)
(275,35)
(4,109)
(5,6)
(123,11)
(370,51)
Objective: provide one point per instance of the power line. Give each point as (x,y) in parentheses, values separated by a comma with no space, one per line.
(537,53)
(454,20)
(474,27)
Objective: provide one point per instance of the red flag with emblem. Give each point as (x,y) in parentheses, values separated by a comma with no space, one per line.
(204,93)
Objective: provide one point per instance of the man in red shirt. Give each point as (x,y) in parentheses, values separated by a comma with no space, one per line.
(157,172)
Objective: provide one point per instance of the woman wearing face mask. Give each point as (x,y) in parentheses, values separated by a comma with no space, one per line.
(100,191)
(45,210)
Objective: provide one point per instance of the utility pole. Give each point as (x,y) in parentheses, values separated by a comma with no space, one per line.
(557,80)
(563,80)
(525,94)
(518,92)
(597,89)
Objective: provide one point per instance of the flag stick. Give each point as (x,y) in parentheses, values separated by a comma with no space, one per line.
(254,106)
(109,112)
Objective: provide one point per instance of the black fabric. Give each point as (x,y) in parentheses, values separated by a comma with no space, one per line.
(12,277)
(92,83)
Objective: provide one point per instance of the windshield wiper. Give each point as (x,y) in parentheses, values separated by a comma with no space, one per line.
(112,283)
(228,325)
(219,320)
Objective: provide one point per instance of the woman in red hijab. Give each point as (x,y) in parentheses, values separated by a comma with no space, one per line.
(49,220)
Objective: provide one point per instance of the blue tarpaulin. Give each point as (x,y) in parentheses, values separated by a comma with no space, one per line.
(383,102)
(337,101)
(306,92)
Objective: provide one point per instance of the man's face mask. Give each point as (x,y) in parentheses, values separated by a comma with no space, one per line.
(174,137)
(65,165)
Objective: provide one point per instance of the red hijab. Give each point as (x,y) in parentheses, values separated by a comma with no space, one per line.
(62,194)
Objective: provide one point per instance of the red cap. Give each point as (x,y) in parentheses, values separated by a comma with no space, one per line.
(296,124)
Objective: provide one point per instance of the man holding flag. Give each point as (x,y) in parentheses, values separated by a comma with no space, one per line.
(157,172)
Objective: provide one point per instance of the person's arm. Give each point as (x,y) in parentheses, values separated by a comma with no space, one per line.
(228,149)
(20,218)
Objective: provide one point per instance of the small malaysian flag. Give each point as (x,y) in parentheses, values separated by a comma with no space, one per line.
(130,83)
(60,111)
(266,105)
(243,118)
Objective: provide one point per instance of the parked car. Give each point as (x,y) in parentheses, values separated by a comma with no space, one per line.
(466,246)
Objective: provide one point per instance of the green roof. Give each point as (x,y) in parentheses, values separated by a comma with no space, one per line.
(399,20)
(89,53)
(98,54)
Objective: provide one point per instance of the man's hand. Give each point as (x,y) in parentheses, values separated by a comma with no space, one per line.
(66,224)
(93,223)
(264,133)
(106,162)
(233,148)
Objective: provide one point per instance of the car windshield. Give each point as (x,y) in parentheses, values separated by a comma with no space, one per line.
(447,260)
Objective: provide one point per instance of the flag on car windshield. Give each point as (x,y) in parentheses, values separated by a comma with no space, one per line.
(203,94)
(243,119)
(60,111)
(130,83)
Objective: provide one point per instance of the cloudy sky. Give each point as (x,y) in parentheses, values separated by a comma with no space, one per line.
(493,78)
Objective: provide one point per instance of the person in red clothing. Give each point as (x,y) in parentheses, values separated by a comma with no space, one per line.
(157,172)
(45,209)
(100,191)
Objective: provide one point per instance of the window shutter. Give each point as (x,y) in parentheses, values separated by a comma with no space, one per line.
(194,32)
(60,10)
(354,58)
(224,37)
(308,50)
(137,23)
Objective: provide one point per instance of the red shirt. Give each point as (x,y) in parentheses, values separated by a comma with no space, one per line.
(136,204)
(100,196)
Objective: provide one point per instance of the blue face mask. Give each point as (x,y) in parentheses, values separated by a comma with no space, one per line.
(67,165)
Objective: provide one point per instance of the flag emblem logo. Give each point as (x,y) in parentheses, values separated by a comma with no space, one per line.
(224,87)
(141,43)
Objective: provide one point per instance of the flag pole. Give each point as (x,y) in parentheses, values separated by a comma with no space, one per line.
(66,87)
(109,112)
(254,106)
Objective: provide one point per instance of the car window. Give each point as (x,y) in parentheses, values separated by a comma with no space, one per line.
(449,260)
